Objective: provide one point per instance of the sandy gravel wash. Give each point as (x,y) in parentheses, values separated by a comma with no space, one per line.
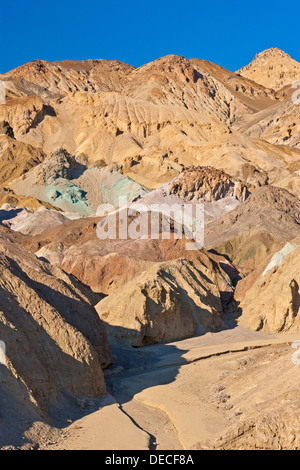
(228,395)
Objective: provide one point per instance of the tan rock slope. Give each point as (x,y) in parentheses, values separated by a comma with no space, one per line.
(260,414)
(50,80)
(169,301)
(207,184)
(271,301)
(256,228)
(272,68)
(17,158)
(55,342)
(278,124)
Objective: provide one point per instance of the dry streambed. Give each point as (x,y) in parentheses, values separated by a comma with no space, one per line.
(222,390)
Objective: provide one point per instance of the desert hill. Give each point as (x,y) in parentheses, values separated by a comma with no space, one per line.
(272,68)
(191,331)
(55,341)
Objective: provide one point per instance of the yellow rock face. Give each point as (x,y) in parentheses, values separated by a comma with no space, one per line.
(272,304)
(272,68)
(169,301)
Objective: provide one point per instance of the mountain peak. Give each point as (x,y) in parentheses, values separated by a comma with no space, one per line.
(272,68)
(273,52)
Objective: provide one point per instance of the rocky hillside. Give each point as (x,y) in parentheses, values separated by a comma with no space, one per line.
(55,342)
(272,68)
(167,302)
(79,139)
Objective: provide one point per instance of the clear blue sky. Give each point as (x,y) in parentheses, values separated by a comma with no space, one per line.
(228,33)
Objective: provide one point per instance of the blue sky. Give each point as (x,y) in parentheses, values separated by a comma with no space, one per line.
(228,33)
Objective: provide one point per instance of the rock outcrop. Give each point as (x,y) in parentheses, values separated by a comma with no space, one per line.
(169,301)
(207,184)
(271,302)
(17,158)
(256,228)
(30,223)
(56,344)
(67,183)
(272,68)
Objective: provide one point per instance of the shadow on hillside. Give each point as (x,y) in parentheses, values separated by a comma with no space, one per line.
(7,215)
(44,380)
(38,386)
(53,375)
(137,369)
(17,411)
(46,111)
(231,308)
(231,314)
(134,370)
